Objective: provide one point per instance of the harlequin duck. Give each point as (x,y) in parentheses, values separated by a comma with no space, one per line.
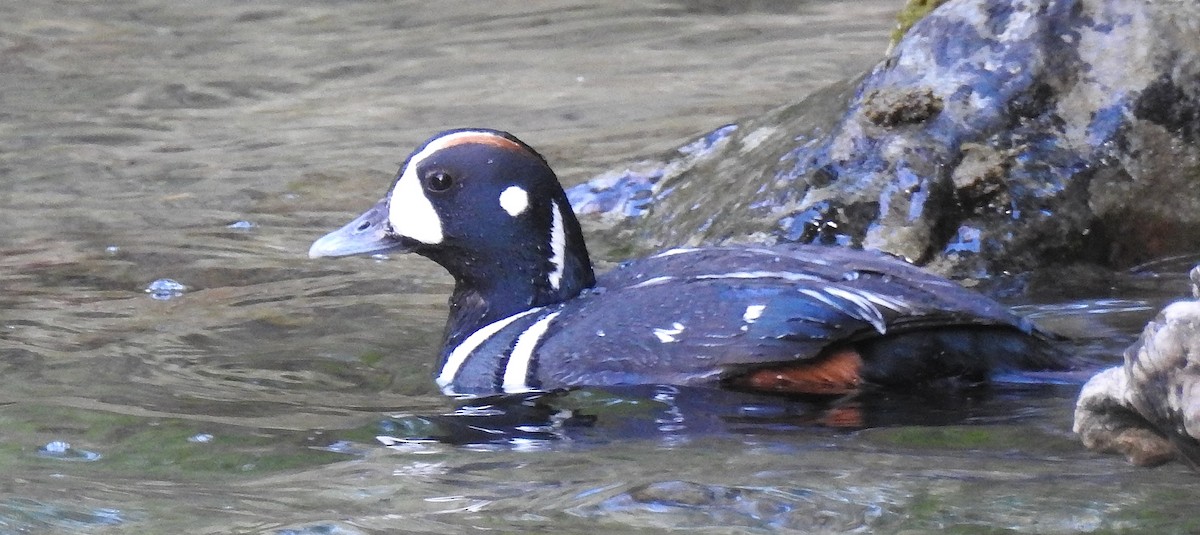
(528,314)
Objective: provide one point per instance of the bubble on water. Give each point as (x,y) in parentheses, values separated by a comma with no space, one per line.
(108,516)
(63,450)
(345,447)
(388,426)
(242,225)
(163,289)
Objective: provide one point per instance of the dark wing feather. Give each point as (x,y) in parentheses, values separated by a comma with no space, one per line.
(690,316)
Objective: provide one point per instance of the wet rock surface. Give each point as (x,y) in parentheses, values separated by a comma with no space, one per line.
(996,137)
(1149,408)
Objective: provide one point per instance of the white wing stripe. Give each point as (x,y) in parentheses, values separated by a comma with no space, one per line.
(866,310)
(458,357)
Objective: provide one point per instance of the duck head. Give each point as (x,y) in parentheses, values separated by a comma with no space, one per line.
(487,208)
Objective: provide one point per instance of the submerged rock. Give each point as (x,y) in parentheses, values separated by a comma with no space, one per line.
(997,136)
(1149,409)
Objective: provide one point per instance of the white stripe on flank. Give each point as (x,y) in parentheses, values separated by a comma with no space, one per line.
(558,245)
(459,356)
(652,282)
(675,251)
(517,369)
(785,275)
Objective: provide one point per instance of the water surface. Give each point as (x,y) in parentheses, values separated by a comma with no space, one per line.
(209,144)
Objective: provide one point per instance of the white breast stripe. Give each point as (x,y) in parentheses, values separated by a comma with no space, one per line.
(517,369)
(459,356)
(558,245)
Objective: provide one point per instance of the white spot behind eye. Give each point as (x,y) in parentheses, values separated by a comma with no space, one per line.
(514,200)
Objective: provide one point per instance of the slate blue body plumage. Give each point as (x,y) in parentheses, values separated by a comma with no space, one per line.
(528,314)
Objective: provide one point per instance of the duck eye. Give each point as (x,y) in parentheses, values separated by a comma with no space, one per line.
(438,181)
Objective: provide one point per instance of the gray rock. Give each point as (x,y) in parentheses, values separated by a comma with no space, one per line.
(997,136)
(1149,409)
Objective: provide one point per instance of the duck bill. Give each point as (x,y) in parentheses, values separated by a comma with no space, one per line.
(366,234)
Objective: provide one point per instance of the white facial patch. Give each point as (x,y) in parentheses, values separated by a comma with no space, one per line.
(558,245)
(514,200)
(409,210)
